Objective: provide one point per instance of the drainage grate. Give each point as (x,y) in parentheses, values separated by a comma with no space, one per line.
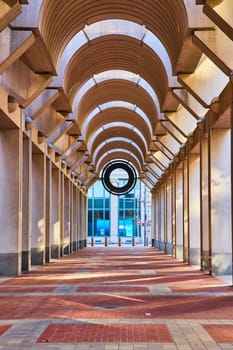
(110,307)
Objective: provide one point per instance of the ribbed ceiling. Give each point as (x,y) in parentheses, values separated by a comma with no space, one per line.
(115,52)
(61,20)
(101,80)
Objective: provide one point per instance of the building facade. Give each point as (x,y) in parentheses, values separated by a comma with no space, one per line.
(126,217)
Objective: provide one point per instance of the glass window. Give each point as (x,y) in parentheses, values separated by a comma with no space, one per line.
(98,203)
(107,203)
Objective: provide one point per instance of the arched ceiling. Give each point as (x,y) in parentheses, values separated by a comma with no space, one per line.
(115,52)
(103,79)
(170,28)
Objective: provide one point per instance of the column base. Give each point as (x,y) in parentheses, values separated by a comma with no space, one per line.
(9,264)
(67,250)
(194,256)
(47,254)
(37,256)
(26,261)
(222,264)
(55,251)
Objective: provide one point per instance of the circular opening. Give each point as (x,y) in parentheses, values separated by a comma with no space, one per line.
(118,187)
(119,177)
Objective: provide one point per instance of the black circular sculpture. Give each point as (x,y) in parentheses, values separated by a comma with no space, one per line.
(109,186)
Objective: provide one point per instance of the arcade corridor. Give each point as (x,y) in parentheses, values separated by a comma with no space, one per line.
(116,298)
(89,87)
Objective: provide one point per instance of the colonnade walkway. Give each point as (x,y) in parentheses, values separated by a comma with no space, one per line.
(116,298)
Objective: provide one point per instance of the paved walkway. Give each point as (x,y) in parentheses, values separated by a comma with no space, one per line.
(116,298)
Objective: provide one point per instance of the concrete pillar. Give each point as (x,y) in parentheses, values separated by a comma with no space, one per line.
(159,218)
(83,221)
(27,204)
(162,218)
(156,242)
(55,213)
(114,219)
(153,219)
(169,217)
(205,199)
(173,192)
(186,210)
(194,209)
(179,214)
(221,210)
(11,151)
(61,212)
(48,202)
(26,209)
(78,214)
(66,217)
(38,207)
(73,217)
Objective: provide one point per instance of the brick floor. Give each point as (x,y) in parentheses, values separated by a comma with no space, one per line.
(220,333)
(4,328)
(106,333)
(116,298)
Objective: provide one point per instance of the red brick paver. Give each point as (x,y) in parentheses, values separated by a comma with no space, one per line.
(116,295)
(106,333)
(4,328)
(220,333)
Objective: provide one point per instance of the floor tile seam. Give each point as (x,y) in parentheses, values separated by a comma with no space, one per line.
(178,322)
(155,293)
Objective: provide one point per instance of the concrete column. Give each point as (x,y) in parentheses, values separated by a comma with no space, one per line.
(169,217)
(221,210)
(186,209)
(61,212)
(48,202)
(114,219)
(159,218)
(205,198)
(38,207)
(78,214)
(179,214)
(55,213)
(27,204)
(162,217)
(165,216)
(156,243)
(194,209)
(74,219)
(11,151)
(66,218)
(83,221)
(173,191)
(153,219)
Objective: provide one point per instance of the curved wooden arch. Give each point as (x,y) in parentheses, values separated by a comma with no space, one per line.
(119,146)
(122,155)
(117,90)
(61,20)
(118,132)
(120,115)
(115,52)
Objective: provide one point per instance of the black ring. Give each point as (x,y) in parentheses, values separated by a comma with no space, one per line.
(132,177)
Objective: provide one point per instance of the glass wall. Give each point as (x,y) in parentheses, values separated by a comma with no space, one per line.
(128,212)
(98,211)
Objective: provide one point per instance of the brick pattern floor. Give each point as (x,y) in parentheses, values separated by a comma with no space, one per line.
(221,333)
(4,328)
(116,298)
(106,333)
